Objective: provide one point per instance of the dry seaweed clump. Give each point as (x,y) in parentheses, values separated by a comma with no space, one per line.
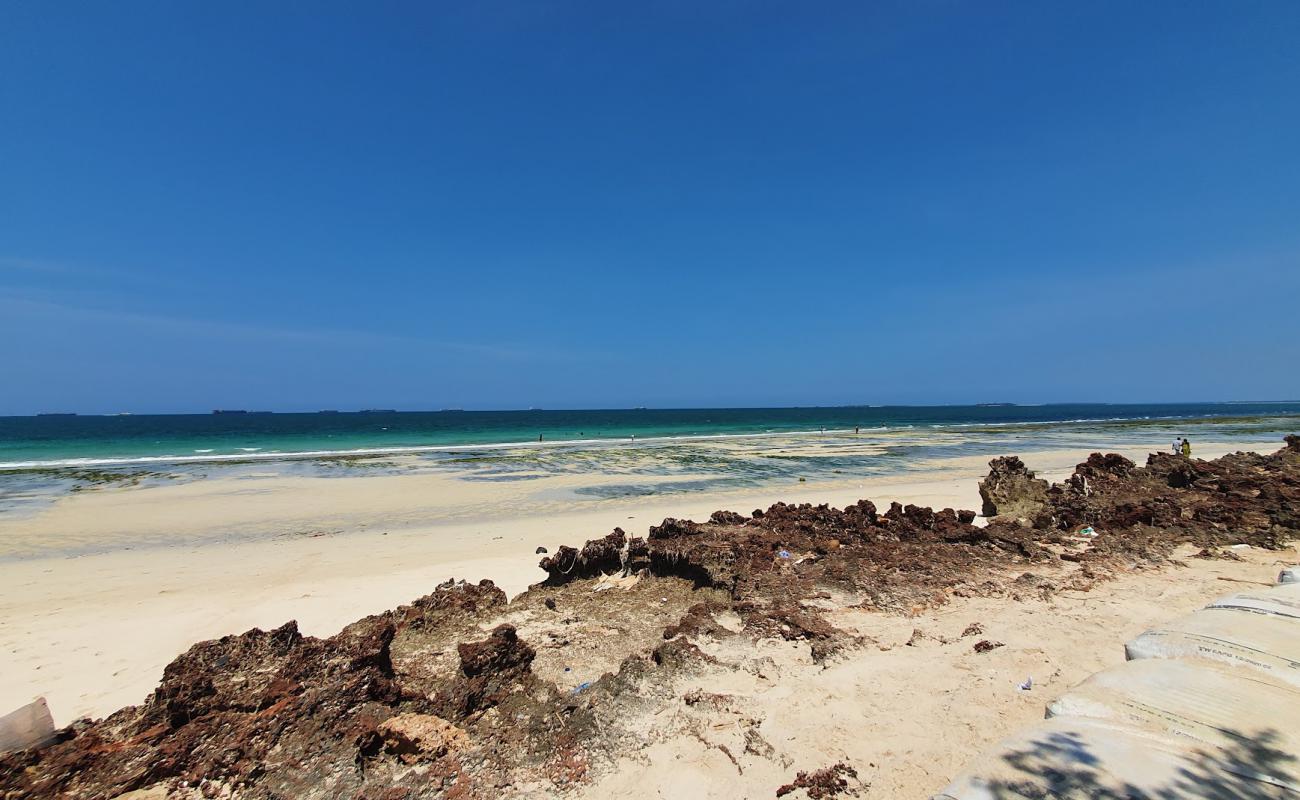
(829,782)
(461,694)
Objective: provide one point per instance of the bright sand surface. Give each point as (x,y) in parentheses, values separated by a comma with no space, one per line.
(182,563)
(913,706)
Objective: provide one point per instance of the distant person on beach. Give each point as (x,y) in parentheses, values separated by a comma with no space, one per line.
(1178,445)
(857,429)
(1187,448)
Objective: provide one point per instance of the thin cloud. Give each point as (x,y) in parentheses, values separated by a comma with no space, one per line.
(40,266)
(263,333)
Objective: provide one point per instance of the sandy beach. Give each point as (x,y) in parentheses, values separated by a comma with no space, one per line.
(914,706)
(127,578)
(179,564)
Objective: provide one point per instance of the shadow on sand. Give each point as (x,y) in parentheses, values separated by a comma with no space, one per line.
(1061,765)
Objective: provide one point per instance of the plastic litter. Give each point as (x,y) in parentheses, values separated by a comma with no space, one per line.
(1289,575)
(1027,685)
(783,553)
(1087,531)
(580,688)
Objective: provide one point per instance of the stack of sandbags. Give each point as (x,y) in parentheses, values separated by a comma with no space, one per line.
(1084,759)
(29,726)
(1207,706)
(1257,631)
(1232,714)
(1283,599)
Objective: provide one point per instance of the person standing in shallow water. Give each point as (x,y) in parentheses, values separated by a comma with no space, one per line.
(1187,449)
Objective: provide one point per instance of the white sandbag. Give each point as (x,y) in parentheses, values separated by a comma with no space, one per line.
(1211,703)
(1078,759)
(29,726)
(1268,643)
(1289,575)
(1283,599)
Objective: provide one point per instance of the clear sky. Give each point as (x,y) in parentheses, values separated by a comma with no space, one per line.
(512,204)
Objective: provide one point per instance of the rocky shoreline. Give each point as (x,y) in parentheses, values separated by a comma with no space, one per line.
(463,694)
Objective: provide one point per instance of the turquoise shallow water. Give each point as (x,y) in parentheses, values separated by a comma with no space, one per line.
(56,441)
(613,454)
(649,452)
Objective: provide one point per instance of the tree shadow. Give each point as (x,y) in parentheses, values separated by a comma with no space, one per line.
(1063,765)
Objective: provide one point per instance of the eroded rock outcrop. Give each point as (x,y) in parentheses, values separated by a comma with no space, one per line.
(267,713)
(1145,511)
(420,737)
(1011,490)
(490,671)
(615,552)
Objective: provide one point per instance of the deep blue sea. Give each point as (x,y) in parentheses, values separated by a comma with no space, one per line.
(102,441)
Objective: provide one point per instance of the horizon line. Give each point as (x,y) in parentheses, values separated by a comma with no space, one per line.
(230,411)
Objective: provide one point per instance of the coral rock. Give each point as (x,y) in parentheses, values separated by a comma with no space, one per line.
(413,737)
(1012,490)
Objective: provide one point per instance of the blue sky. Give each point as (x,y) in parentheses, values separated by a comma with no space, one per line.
(503,205)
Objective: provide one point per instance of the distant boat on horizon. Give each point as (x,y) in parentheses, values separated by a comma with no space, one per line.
(377,411)
(57,414)
(994,405)
(229,411)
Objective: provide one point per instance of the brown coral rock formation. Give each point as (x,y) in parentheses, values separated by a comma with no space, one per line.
(416,737)
(1012,490)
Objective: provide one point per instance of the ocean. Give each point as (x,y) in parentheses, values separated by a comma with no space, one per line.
(606,454)
(125,440)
